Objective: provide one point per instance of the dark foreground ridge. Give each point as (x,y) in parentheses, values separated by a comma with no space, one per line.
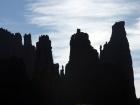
(29,76)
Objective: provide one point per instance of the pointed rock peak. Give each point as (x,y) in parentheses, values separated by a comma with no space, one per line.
(119,25)
(81,34)
(78,30)
(79,39)
(118,32)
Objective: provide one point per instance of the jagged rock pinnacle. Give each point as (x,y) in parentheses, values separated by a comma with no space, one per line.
(78,30)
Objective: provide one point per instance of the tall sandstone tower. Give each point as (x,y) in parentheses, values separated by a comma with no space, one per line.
(81,69)
(100,81)
(117,68)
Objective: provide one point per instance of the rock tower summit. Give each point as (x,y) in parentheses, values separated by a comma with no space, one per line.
(81,69)
(117,63)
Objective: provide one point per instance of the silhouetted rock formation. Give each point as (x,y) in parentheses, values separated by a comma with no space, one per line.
(117,69)
(29,55)
(35,77)
(62,75)
(28,74)
(9,43)
(44,60)
(17,45)
(46,72)
(81,69)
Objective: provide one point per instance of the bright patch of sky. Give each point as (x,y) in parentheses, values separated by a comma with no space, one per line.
(60,19)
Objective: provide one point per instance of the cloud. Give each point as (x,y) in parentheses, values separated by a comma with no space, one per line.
(60,18)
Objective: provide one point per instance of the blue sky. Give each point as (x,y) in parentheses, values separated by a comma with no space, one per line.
(60,19)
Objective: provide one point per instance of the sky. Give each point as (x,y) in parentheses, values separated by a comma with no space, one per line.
(60,18)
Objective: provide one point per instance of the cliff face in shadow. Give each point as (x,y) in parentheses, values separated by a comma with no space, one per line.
(106,80)
(28,74)
(81,69)
(117,67)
